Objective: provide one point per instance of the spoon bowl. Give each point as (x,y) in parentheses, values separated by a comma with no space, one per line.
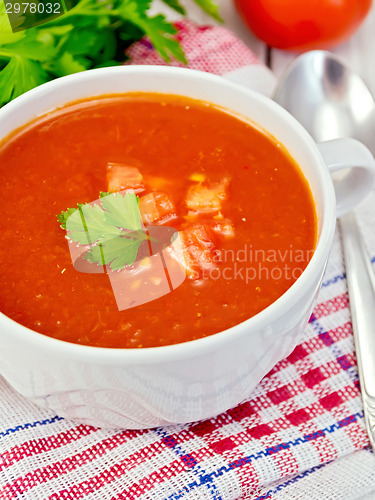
(328,98)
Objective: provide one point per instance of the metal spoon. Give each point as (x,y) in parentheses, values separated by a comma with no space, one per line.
(331,101)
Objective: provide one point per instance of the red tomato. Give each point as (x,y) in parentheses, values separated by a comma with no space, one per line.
(303,24)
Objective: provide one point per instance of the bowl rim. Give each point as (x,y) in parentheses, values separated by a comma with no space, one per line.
(214,342)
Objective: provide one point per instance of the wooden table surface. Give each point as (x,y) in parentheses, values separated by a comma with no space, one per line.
(358,51)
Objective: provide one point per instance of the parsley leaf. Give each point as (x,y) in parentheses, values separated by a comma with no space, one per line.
(211,7)
(64,216)
(88,225)
(5,27)
(118,252)
(104,193)
(23,69)
(175,4)
(91,34)
(114,226)
(122,211)
(158,29)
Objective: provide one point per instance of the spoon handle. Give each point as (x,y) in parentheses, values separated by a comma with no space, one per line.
(361,286)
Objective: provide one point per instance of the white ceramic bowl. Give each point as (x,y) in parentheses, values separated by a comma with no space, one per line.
(141,388)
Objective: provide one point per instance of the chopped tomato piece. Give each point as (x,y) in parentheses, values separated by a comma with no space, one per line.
(121,177)
(156,207)
(224,228)
(206,198)
(195,250)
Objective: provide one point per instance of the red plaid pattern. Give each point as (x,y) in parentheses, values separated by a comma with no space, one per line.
(305,413)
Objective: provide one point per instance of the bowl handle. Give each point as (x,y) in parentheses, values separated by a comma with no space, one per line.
(353,156)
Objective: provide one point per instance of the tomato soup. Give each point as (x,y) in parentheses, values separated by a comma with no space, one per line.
(242,206)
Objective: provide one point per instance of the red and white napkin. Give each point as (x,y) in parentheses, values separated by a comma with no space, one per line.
(300,435)
(214,50)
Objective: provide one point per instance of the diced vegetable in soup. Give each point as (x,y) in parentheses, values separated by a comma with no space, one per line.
(122,177)
(197,253)
(156,207)
(206,198)
(244,215)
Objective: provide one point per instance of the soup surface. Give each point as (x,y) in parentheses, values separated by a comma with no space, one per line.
(241,203)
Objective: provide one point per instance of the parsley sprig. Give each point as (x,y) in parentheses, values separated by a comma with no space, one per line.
(91,34)
(114,227)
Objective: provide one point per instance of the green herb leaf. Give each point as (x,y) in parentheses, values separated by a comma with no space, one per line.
(21,59)
(88,225)
(31,46)
(4,21)
(122,211)
(102,194)
(19,76)
(5,26)
(158,29)
(118,252)
(211,7)
(175,4)
(64,216)
(67,64)
(114,225)
(90,34)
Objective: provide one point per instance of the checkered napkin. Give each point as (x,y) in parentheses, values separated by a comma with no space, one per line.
(300,435)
